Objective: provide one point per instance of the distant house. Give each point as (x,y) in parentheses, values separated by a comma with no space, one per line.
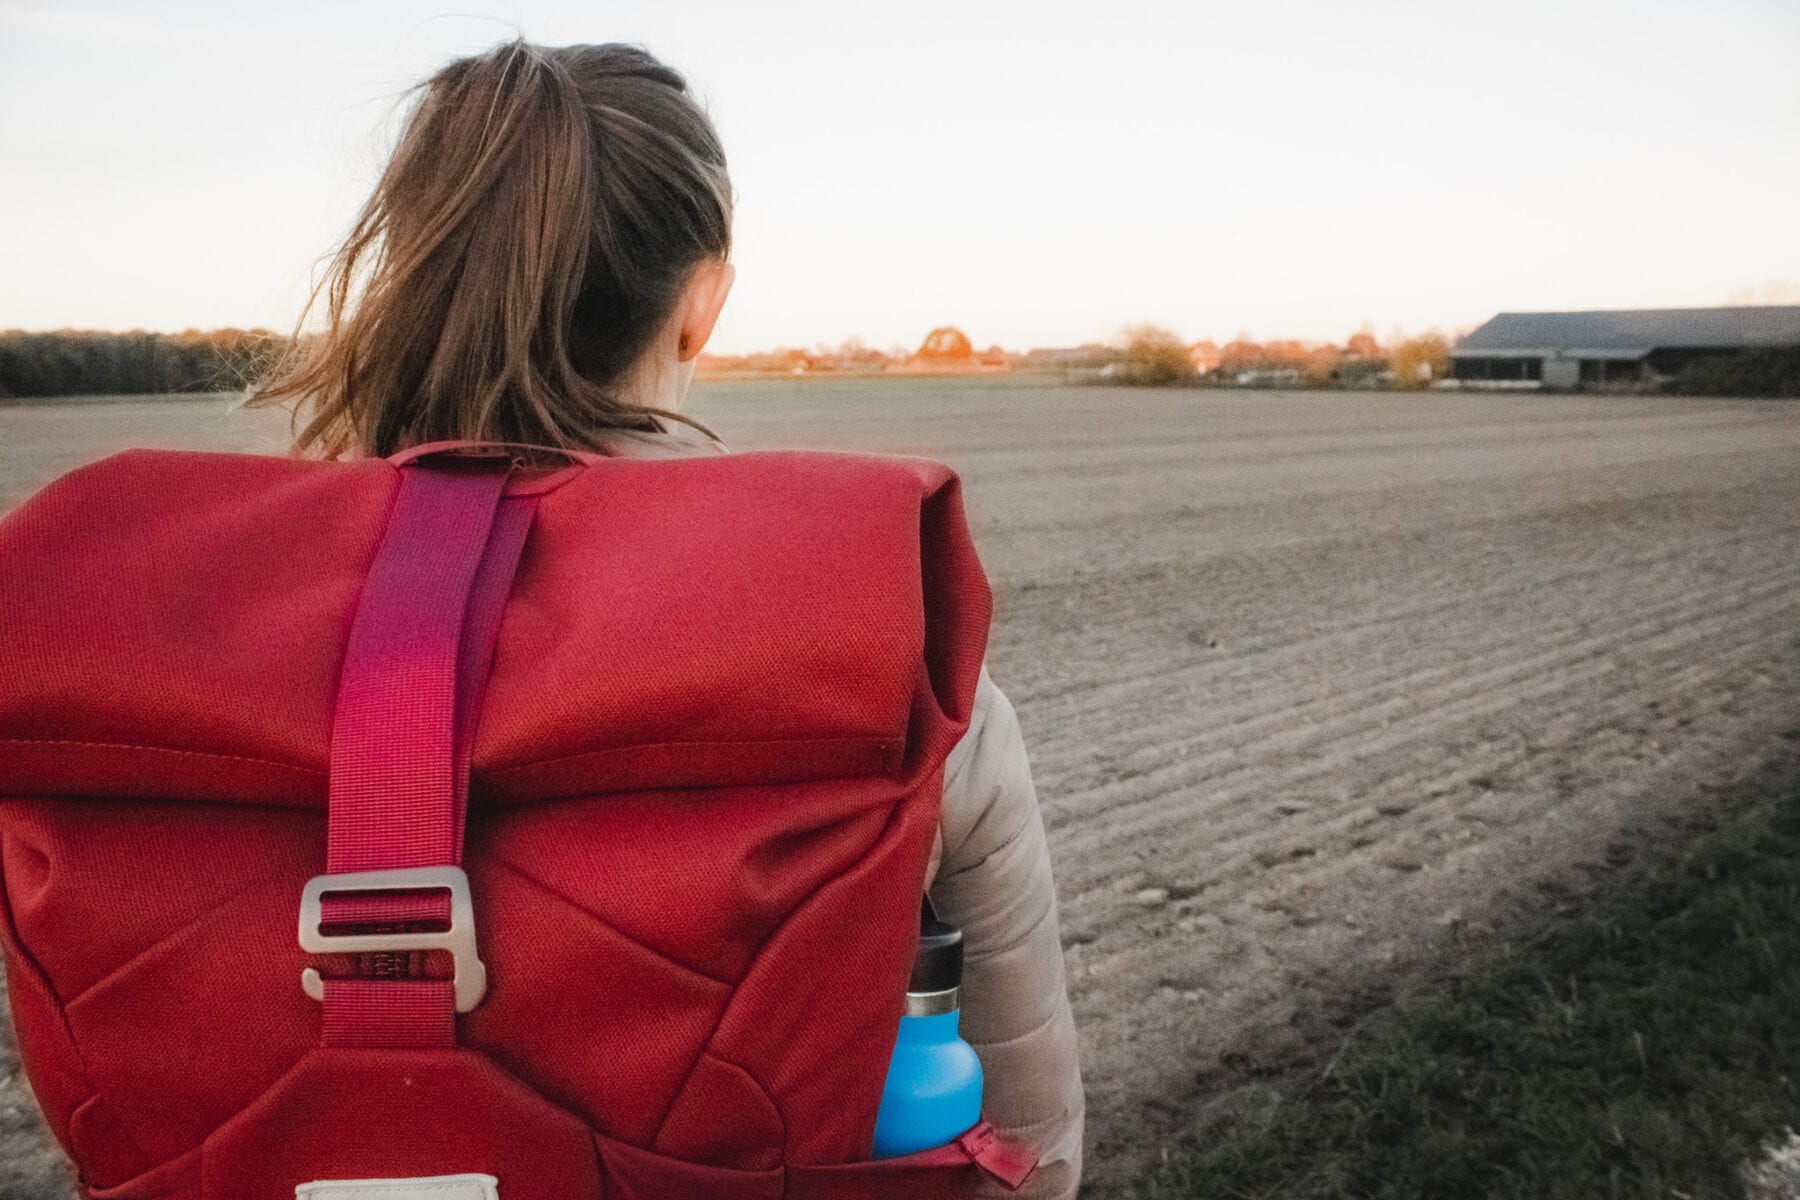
(1267,377)
(1088,356)
(1614,348)
(1205,357)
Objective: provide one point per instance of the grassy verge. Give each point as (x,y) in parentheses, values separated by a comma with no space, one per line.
(1645,1046)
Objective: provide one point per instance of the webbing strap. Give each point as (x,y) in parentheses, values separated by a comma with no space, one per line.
(414,670)
(1007,1161)
(399,1014)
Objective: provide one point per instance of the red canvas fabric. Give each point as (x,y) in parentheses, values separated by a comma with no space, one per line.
(701,790)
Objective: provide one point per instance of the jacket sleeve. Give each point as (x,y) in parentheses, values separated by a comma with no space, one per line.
(994,881)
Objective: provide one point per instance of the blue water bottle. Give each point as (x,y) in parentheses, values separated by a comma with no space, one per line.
(933,1089)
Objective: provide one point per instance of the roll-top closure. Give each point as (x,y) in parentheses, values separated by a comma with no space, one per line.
(175,622)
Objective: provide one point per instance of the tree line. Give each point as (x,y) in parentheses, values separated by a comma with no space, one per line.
(88,363)
(81,362)
(1159,357)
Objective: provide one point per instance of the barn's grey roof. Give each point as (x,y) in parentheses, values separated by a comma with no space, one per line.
(1605,333)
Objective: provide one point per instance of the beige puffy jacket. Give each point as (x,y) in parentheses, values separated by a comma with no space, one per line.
(991,878)
(994,882)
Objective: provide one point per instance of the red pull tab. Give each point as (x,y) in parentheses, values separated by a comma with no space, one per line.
(1009,1162)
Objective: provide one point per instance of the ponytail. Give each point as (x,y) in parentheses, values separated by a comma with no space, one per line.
(530,235)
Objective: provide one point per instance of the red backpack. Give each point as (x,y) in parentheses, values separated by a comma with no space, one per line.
(602,798)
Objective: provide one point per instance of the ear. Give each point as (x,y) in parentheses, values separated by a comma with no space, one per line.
(701,304)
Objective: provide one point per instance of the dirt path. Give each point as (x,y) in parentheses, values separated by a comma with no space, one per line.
(1321,690)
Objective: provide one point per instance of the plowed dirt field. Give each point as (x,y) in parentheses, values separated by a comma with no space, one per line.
(1324,692)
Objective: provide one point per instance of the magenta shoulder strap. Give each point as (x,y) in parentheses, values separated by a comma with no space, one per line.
(418,655)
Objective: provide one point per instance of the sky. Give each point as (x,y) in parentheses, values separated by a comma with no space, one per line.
(1038,174)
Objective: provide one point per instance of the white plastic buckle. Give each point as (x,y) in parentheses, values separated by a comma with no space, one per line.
(470,980)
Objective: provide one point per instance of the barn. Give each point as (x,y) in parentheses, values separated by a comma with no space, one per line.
(1624,348)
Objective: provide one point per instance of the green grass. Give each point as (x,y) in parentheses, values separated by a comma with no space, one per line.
(1645,1046)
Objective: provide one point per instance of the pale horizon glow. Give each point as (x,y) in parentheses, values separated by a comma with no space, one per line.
(1036,174)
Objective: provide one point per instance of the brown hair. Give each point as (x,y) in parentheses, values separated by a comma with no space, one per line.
(532,232)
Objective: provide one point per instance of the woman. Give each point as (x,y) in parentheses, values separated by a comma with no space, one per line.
(542,262)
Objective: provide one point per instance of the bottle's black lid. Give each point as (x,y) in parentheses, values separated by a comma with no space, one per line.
(938,966)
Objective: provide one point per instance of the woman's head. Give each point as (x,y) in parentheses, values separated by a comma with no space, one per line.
(541,262)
